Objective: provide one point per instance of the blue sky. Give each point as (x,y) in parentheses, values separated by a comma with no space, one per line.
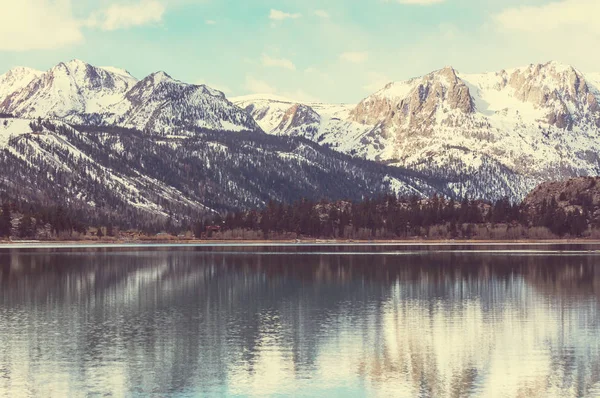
(333,50)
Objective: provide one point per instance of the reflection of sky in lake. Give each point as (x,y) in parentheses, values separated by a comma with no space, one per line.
(188,323)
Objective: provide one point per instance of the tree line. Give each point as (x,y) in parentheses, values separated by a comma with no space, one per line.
(392,217)
(384,217)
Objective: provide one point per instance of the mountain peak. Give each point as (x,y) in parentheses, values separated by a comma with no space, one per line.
(77,62)
(70,67)
(552,67)
(559,66)
(19,73)
(448,73)
(160,76)
(118,71)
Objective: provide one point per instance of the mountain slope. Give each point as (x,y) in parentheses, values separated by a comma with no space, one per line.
(139,178)
(160,103)
(521,126)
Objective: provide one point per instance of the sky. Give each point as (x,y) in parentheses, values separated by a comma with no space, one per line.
(309,50)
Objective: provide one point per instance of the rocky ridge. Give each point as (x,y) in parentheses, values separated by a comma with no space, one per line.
(507,130)
(79,93)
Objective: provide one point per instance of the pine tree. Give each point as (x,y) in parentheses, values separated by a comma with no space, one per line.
(5,221)
(198,229)
(265,224)
(26,228)
(577,223)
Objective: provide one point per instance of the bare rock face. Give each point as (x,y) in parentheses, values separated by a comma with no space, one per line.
(576,193)
(297,116)
(456,94)
(562,90)
(418,108)
(299,120)
(514,128)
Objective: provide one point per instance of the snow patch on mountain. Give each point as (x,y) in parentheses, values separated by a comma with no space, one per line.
(10,127)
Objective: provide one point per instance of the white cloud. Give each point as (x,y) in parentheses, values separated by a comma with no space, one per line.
(322,14)
(38,24)
(277,15)
(376,81)
(210,22)
(277,62)
(356,57)
(257,86)
(121,16)
(50,24)
(564,31)
(578,14)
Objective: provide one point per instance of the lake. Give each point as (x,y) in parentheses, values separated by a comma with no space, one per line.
(326,321)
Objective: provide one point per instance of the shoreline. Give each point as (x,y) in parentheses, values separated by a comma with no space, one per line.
(286,243)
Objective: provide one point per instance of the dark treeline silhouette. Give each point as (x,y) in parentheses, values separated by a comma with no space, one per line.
(390,217)
(27,221)
(385,217)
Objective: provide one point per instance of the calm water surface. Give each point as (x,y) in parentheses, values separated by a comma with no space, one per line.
(300,321)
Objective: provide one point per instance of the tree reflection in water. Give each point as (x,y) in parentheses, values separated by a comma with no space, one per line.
(190,322)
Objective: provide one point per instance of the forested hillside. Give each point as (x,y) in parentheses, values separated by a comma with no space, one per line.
(392,217)
(559,211)
(141,179)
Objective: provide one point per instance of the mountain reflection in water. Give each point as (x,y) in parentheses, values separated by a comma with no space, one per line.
(191,322)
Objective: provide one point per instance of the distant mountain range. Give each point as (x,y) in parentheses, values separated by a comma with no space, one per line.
(101,138)
(79,93)
(508,130)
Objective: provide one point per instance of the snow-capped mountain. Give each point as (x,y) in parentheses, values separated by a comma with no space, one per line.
(74,91)
(508,130)
(161,103)
(481,135)
(322,123)
(79,93)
